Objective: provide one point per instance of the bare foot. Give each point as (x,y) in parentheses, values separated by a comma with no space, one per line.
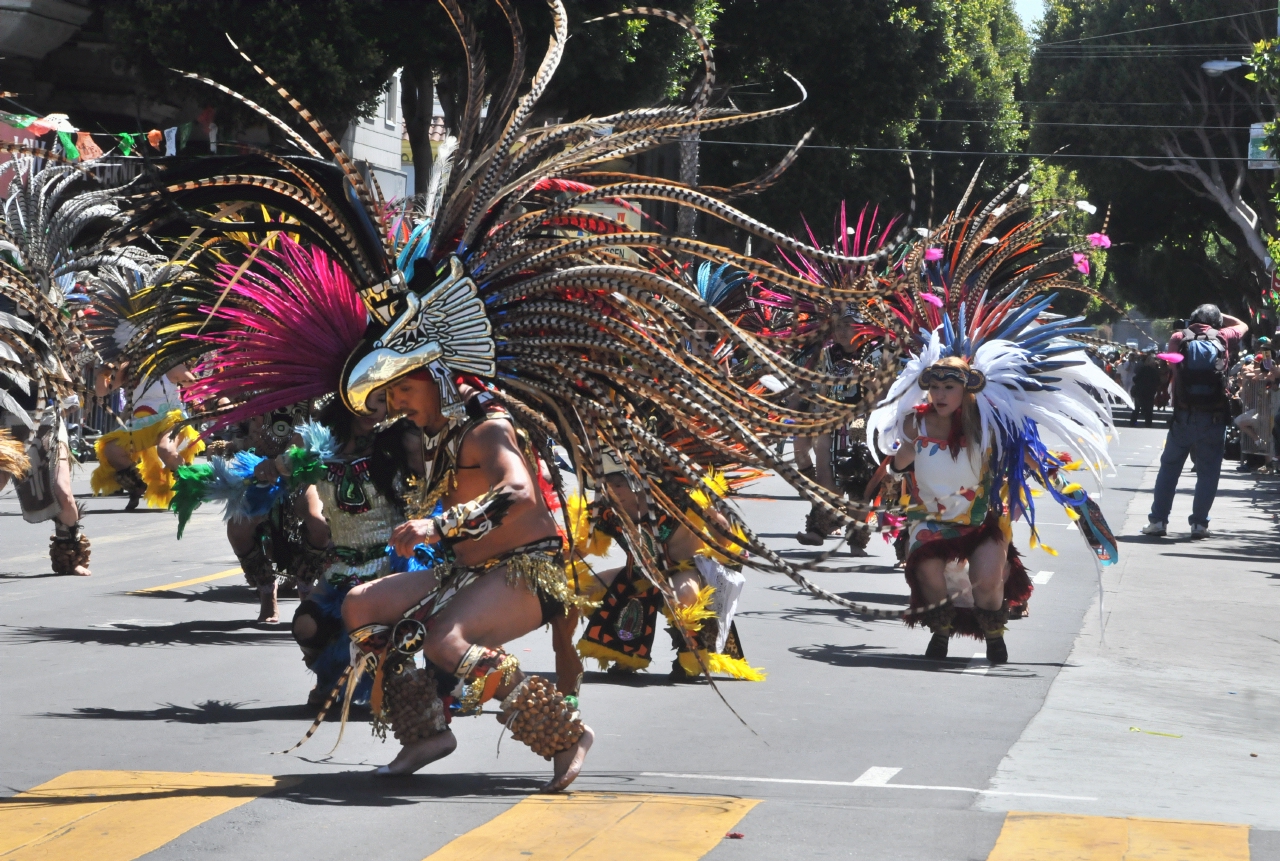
(82,571)
(414,756)
(268,610)
(569,762)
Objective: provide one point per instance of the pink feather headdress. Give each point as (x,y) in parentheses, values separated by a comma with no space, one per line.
(297,319)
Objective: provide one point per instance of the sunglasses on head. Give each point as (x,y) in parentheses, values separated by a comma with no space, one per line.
(972,380)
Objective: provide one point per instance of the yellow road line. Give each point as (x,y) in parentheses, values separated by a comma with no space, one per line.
(597,826)
(1055,837)
(118,815)
(169,587)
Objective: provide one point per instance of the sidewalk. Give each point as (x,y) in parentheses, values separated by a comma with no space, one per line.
(1162,718)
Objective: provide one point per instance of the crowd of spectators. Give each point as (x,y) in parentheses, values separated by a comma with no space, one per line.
(1223,389)
(1146,378)
(1221,386)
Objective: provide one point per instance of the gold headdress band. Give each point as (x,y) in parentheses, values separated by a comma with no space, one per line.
(972,379)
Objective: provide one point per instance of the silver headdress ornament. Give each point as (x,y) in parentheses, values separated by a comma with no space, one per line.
(445,331)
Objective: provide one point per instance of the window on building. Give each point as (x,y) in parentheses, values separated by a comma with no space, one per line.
(392,101)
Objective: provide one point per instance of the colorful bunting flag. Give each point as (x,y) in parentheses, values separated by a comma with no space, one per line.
(68,146)
(76,143)
(89,149)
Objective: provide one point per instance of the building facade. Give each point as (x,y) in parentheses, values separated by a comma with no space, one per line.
(374,144)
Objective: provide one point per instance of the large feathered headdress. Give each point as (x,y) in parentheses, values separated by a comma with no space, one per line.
(115,319)
(48,212)
(974,289)
(292,318)
(508,270)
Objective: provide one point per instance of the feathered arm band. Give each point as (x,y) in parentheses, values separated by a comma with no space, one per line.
(306,463)
(229,480)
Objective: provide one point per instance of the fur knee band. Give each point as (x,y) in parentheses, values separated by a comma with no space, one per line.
(940,620)
(991,622)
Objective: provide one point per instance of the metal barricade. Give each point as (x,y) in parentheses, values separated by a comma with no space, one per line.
(1257,420)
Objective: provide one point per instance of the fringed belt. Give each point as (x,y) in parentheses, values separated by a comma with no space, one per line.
(538,566)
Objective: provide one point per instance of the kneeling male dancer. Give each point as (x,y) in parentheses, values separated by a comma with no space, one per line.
(504,577)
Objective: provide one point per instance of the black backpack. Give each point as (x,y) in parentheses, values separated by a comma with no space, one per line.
(1201,376)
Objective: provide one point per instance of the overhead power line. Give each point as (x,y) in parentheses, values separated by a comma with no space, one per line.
(998,122)
(1072,102)
(1139,49)
(1006,154)
(1162,55)
(1149,29)
(1060,102)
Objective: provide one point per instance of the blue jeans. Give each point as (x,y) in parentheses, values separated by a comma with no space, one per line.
(1205,434)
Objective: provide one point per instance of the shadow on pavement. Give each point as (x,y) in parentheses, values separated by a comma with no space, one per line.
(208,712)
(1140,539)
(876,598)
(810,555)
(18,575)
(868,656)
(836,617)
(236,594)
(184,633)
(363,789)
(1222,557)
(97,797)
(630,680)
(87,511)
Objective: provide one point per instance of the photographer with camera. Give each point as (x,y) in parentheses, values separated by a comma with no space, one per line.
(1201,411)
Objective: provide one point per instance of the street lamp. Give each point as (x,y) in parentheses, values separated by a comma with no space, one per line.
(1215,68)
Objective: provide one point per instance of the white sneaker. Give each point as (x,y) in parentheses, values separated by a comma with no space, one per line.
(1199,530)
(1155,527)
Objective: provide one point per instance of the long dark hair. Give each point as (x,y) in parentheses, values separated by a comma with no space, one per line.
(388,462)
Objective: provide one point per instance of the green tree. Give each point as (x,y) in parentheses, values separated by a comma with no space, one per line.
(607,65)
(883,75)
(321,52)
(1189,218)
(336,57)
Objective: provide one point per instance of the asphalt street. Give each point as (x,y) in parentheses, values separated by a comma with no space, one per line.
(147,709)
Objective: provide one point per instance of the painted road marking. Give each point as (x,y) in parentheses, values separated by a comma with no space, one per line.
(1053,837)
(1041,577)
(598,826)
(168,587)
(118,815)
(739,779)
(978,665)
(876,775)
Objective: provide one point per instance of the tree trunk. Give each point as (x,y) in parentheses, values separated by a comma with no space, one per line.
(417,88)
(1215,189)
(687,216)
(1238,211)
(448,89)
